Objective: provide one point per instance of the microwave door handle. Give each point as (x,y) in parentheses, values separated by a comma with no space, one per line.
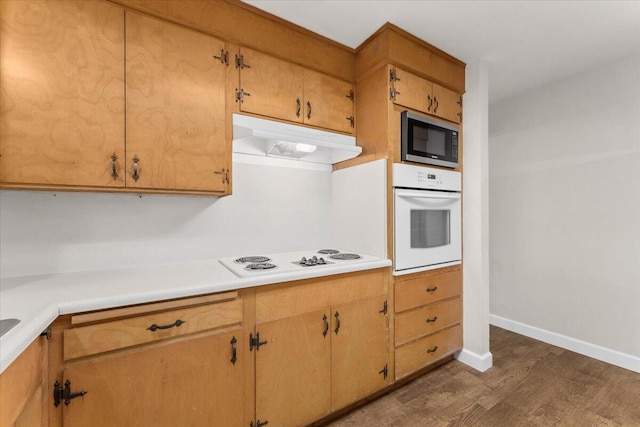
(428,196)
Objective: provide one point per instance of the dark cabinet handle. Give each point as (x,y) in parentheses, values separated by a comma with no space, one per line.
(308,110)
(155,327)
(114,166)
(432,320)
(435,288)
(233,350)
(326,325)
(430,102)
(298,107)
(337,316)
(135,168)
(435,102)
(432,350)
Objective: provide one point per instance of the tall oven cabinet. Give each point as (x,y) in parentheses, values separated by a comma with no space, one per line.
(398,72)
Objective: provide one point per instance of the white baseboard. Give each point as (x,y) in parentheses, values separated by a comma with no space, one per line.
(476,361)
(594,351)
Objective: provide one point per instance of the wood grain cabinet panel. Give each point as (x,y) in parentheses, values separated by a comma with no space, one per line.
(182,383)
(292,370)
(420,94)
(22,399)
(359,350)
(420,290)
(175,107)
(426,320)
(328,102)
(107,336)
(273,87)
(422,352)
(62,93)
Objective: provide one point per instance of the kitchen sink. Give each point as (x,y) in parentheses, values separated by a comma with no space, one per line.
(7,324)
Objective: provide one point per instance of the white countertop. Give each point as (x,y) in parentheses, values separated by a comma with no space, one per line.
(38,300)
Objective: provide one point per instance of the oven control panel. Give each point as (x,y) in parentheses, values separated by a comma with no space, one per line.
(410,176)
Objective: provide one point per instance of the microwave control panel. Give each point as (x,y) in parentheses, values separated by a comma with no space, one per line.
(409,176)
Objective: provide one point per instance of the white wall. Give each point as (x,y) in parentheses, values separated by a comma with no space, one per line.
(272,209)
(475,205)
(565,210)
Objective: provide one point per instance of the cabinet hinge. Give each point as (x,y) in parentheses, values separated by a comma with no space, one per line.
(225,175)
(351,95)
(385,307)
(352,121)
(258,423)
(240,94)
(393,93)
(460,101)
(393,75)
(385,372)
(460,115)
(46,333)
(64,394)
(223,58)
(255,341)
(240,62)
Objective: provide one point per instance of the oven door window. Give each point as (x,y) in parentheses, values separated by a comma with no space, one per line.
(430,228)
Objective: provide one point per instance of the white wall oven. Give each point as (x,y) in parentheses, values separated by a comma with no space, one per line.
(427,218)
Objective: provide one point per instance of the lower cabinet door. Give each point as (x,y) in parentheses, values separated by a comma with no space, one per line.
(293,370)
(191,382)
(359,350)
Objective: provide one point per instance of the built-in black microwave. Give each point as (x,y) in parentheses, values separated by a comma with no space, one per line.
(428,141)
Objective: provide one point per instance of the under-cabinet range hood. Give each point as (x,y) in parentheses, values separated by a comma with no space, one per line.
(253,136)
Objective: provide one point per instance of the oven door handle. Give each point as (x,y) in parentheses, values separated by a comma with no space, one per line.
(428,196)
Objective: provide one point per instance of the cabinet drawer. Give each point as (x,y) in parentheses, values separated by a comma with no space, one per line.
(423,290)
(414,324)
(117,334)
(420,353)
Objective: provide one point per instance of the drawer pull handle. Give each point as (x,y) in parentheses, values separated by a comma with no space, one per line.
(432,320)
(432,350)
(435,288)
(337,315)
(233,350)
(326,325)
(308,110)
(298,107)
(155,327)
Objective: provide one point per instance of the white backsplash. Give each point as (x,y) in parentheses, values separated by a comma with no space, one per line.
(272,209)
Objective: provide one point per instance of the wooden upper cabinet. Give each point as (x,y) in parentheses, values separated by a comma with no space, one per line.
(447,103)
(175,108)
(275,88)
(328,102)
(420,94)
(62,93)
(272,87)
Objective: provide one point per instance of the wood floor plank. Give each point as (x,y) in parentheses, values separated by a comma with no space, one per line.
(531,384)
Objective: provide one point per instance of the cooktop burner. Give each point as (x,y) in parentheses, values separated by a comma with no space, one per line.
(328,251)
(260,266)
(252,259)
(345,256)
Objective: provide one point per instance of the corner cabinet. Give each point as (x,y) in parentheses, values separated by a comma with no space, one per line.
(320,345)
(65,101)
(272,87)
(139,366)
(23,391)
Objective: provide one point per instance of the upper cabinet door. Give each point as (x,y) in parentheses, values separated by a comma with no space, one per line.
(62,93)
(328,102)
(410,90)
(272,87)
(175,108)
(447,104)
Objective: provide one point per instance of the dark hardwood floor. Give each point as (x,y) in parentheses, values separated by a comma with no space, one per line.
(530,384)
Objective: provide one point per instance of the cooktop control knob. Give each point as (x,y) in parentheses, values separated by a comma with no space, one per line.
(303,260)
(321,261)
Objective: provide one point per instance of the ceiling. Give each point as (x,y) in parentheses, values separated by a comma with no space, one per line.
(527,44)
